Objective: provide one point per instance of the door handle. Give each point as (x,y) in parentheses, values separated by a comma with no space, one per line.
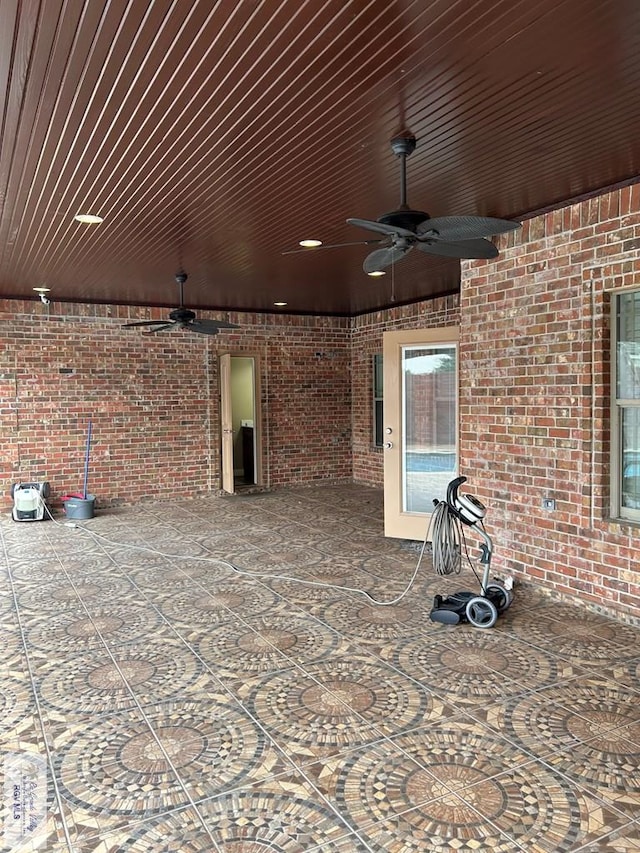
(388,445)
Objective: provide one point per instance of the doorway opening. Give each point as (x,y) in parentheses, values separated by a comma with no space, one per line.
(240,408)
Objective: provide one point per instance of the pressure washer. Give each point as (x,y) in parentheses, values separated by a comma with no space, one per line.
(447,537)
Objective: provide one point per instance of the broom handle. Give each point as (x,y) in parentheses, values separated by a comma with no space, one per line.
(86,463)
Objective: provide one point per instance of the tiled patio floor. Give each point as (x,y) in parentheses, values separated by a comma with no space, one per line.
(182,707)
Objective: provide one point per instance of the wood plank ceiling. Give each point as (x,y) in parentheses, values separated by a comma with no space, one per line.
(213,136)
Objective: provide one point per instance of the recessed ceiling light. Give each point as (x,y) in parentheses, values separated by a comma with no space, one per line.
(310,244)
(88,218)
(376,273)
(280,304)
(42,289)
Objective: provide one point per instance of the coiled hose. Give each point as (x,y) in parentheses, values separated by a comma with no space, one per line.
(446,536)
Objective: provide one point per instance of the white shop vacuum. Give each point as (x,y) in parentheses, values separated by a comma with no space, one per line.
(29,501)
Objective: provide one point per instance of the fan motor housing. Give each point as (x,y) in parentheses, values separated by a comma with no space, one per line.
(409,219)
(182,315)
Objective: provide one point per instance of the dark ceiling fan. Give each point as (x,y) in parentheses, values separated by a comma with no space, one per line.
(449,236)
(183,318)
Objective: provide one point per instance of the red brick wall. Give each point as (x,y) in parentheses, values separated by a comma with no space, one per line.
(307,402)
(154,401)
(534,386)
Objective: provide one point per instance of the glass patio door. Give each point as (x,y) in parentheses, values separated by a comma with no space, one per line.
(421,426)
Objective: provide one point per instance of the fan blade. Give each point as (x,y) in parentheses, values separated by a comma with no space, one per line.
(479,248)
(331,246)
(452,228)
(160,328)
(220,324)
(207,331)
(145,323)
(209,327)
(381,228)
(384,257)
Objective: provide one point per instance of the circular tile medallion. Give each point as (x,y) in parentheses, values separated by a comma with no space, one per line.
(74,630)
(121,765)
(100,684)
(342,704)
(460,794)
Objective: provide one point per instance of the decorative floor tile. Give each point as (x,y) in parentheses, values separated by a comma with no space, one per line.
(189,708)
(66,594)
(181,831)
(30,548)
(284,815)
(586,712)
(105,623)
(342,548)
(10,637)
(453,788)
(7,604)
(468,672)
(266,644)
(625,840)
(218,603)
(285,555)
(73,567)
(213,745)
(504,814)
(164,579)
(623,672)
(114,765)
(339,581)
(337,705)
(227,545)
(128,675)
(365,622)
(17,701)
(22,730)
(582,638)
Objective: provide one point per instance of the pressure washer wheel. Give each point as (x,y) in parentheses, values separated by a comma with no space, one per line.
(481,612)
(500,596)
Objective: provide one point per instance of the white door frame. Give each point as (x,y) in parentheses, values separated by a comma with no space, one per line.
(226,419)
(397,521)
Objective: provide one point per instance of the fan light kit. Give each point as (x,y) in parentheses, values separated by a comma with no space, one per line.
(182,318)
(88,219)
(310,244)
(376,273)
(42,291)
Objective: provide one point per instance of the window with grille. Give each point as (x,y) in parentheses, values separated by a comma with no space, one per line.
(378,440)
(625,415)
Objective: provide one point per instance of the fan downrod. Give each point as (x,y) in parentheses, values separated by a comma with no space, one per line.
(404,216)
(181,277)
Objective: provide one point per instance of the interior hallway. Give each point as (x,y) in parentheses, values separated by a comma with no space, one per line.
(181,707)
